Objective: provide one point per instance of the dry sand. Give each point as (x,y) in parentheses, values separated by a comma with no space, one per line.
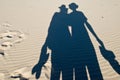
(23,30)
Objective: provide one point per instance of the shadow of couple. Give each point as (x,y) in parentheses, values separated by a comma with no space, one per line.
(72,54)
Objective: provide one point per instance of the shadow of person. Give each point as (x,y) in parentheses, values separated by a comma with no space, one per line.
(58,41)
(72,55)
(110,57)
(83,53)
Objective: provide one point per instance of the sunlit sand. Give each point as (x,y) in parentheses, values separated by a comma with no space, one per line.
(24,25)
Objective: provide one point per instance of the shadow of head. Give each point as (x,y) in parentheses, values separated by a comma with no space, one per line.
(73,6)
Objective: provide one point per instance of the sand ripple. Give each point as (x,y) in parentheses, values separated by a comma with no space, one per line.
(8,38)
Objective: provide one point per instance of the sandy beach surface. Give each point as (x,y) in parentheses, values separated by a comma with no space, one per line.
(23,30)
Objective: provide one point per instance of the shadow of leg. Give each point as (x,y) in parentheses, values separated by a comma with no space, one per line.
(67,73)
(80,73)
(55,73)
(94,71)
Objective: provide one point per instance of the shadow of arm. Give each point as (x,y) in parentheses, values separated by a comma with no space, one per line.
(93,33)
(42,60)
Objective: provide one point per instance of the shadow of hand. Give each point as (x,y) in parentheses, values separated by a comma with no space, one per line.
(37,70)
(38,67)
(110,57)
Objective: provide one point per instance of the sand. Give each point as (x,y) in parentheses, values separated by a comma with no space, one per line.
(23,30)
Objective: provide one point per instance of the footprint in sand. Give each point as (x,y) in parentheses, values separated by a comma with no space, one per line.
(8,38)
(2,53)
(22,74)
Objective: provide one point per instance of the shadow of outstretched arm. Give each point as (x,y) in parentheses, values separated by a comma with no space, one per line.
(42,60)
(107,54)
(93,33)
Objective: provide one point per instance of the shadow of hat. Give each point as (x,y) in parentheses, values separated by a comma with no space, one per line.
(63,7)
(73,6)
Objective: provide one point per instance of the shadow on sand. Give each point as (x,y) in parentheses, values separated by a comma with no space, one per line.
(72,55)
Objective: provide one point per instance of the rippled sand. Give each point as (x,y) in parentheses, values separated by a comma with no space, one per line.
(23,30)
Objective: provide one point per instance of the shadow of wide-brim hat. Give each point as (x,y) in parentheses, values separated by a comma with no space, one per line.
(63,7)
(73,5)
